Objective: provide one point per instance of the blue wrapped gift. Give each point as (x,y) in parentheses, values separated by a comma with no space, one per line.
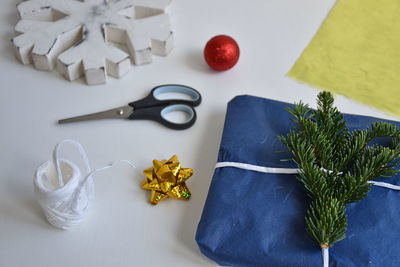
(253,218)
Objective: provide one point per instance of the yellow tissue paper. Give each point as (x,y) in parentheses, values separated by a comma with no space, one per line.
(356,53)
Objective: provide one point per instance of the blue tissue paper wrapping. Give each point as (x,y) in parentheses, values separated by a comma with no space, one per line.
(257,219)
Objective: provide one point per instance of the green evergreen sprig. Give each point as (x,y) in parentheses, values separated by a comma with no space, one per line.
(336,164)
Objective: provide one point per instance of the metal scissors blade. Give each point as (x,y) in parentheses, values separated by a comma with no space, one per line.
(116,113)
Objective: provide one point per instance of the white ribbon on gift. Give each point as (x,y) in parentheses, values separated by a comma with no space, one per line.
(263,169)
(256,168)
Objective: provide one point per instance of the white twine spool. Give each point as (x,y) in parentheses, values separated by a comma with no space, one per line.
(63,191)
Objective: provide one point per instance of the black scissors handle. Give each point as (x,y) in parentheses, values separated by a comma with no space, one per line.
(152,107)
(152,99)
(159,113)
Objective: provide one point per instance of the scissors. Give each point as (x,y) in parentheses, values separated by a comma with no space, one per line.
(154,108)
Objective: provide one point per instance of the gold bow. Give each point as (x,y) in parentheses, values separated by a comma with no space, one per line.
(167,179)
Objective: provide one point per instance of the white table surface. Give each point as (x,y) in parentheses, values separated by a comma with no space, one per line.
(123,229)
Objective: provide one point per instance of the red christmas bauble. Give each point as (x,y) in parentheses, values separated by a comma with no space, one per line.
(221,52)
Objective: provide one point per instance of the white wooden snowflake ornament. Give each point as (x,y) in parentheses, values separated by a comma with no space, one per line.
(76,35)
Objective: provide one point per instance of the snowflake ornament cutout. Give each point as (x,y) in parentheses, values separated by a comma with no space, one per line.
(77,36)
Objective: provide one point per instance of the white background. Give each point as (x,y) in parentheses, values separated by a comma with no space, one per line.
(123,229)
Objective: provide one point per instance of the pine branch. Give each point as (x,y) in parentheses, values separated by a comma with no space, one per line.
(326,220)
(336,164)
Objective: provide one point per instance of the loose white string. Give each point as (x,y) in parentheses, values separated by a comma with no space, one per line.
(251,167)
(64,193)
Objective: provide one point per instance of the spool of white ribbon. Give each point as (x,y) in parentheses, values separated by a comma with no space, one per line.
(64,191)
